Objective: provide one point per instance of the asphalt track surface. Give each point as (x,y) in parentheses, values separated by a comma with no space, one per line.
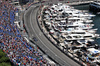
(34,31)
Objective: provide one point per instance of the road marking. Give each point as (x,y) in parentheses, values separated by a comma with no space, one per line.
(40,33)
(43,43)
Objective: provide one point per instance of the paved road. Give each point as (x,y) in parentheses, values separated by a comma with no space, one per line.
(34,31)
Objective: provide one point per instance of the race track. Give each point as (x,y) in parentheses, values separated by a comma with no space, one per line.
(34,31)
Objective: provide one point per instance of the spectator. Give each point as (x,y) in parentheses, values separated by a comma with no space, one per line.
(11,41)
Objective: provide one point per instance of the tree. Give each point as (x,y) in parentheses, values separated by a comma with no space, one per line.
(3,57)
(1,53)
(5,64)
(4,61)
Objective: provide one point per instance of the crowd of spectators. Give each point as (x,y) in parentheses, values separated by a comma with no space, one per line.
(12,43)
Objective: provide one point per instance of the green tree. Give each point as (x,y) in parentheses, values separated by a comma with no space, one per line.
(5,64)
(3,57)
(1,53)
(4,61)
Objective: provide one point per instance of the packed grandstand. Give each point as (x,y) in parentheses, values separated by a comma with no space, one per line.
(12,42)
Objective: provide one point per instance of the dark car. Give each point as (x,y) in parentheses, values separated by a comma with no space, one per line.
(35,39)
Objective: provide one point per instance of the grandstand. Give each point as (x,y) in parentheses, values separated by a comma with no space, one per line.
(19,51)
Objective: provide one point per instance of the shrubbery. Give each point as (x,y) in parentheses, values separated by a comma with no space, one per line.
(4,61)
